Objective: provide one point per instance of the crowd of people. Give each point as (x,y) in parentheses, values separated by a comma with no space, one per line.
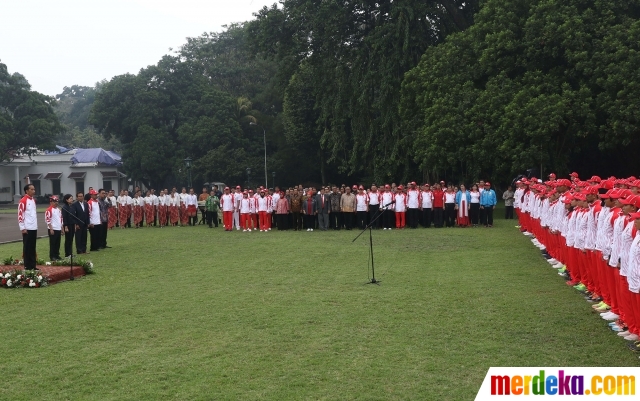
(92,215)
(588,230)
(298,208)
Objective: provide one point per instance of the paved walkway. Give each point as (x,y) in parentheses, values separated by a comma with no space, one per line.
(9,230)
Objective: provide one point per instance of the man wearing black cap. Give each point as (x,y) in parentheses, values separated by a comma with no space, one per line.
(53,218)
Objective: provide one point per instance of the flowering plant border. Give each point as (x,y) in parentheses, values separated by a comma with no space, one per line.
(23,279)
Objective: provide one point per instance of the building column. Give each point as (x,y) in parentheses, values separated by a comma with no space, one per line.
(18,195)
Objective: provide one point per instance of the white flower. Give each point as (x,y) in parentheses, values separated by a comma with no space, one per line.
(48,264)
(90,264)
(32,284)
(9,283)
(19,276)
(7,275)
(39,279)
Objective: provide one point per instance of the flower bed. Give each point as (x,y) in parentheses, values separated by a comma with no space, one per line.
(24,279)
(13,275)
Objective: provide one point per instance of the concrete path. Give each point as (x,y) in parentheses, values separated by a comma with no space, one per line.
(9,230)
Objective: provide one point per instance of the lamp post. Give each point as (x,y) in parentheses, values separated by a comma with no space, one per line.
(264,137)
(248,177)
(273,181)
(187,163)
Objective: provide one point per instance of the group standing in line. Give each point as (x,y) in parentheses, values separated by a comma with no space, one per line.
(588,230)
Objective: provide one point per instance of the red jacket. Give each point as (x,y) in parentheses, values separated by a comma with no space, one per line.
(438,198)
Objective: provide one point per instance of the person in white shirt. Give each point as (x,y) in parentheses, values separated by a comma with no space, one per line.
(138,209)
(474,206)
(227,203)
(386,203)
(413,205)
(192,207)
(122,209)
(28,223)
(245,212)
(400,207)
(162,209)
(94,221)
(53,218)
(275,197)
(174,207)
(184,216)
(237,196)
(263,214)
(362,207)
(113,209)
(426,205)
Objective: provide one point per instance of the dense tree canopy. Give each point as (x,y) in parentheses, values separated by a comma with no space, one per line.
(531,84)
(27,120)
(384,91)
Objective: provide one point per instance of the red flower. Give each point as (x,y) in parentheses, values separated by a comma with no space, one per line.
(4,281)
(37,285)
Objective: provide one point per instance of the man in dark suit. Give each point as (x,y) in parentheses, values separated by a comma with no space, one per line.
(324,208)
(81,209)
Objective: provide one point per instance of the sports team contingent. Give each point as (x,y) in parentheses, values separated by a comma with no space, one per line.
(588,230)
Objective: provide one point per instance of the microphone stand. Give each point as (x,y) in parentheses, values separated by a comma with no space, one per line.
(71,278)
(369,226)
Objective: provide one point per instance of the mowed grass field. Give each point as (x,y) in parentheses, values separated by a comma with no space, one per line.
(201,314)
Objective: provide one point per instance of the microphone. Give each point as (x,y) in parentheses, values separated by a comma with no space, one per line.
(389,204)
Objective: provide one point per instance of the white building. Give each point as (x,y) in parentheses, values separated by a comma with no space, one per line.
(67,171)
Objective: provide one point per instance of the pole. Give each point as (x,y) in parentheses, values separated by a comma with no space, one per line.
(189,177)
(264,135)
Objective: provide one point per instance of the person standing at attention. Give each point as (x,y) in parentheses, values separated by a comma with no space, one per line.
(28,223)
(509,198)
(53,218)
(488,203)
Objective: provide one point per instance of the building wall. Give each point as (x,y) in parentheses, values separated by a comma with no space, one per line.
(93,178)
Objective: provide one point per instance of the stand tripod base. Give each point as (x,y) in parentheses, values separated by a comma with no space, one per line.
(373,281)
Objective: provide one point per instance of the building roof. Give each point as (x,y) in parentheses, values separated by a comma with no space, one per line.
(76,157)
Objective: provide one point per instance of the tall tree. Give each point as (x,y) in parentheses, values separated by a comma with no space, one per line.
(27,121)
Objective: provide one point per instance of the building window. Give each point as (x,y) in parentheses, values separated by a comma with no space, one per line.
(55,187)
(79,186)
(36,185)
(106,185)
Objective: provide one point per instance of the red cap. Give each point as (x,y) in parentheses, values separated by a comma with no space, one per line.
(487,184)
(635,183)
(631,200)
(568,199)
(595,178)
(355,187)
(579,197)
(427,185)
(53,198)
(552,176)
(635,216)
(238,187)
(93,192)
(606,184)
(400,187)
(574,174)
(564,182)
(592,190)
(442,182)
(251,191)
(361,187)
(226,188)
(413,183)
(615,194)
(387,186)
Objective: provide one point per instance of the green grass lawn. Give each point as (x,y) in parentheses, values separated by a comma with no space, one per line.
(194,313)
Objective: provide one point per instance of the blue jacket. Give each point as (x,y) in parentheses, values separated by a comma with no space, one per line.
(488,198)
(459,197)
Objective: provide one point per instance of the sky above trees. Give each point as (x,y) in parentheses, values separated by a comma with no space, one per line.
(79,42)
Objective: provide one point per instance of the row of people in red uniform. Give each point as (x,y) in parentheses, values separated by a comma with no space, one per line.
(588,230)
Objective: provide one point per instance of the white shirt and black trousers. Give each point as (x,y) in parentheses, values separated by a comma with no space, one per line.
(28,220)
